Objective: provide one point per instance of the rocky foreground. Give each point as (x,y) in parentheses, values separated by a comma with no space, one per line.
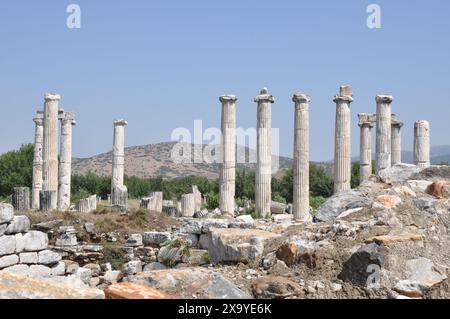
(389,238)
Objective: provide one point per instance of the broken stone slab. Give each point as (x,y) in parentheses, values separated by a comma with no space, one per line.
(196,257)
(15,286)
(7,261)
(112,276)
(7,245)
(19,224)
(59,269)
(274,287)
(155,239)
(6,213)
(127,290)
(187,283)
(389,201)
(422,275)
(48,257)
(277,208)
(342,202)
(48,226)
(236,245)
(67,240)
(154,266)
(282,218)
(29,258)
(245,219)
(391,239)
(84,274)
(135,240)
(132,267)
(425,202)
(31,241)
(170,256)
(202,226)
(419,185)
(398,173)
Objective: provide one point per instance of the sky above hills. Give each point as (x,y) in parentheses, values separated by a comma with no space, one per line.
(163,64)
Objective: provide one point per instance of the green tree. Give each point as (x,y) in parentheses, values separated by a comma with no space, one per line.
(355,181)
(320,184)
(16,169)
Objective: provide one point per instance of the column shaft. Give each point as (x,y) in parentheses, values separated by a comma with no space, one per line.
(263,194)
(65,164)
(228,150)
(50,147)
(342,153)
(301,209)
(422,144)
(37,161)
(119,193)
(396,142)
(384,126)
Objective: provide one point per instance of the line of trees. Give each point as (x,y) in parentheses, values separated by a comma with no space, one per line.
(16,169)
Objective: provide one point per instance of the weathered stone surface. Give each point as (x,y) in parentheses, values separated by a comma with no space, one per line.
(425,202)
(398,173)
(71,266)
(422,275)
(278,208)
(20,224)
(7,245)
(3,229)
(355,269)
(48,226)
(391,239)
(35,241)
(245,219)
(283,218)
(132,267)
(7,261)
(66,240)
(16,286)
(276,288)
(439,190)
(29,258)
(89,228)
(419,185)
(6,213)
(169,256)
(189,282)
(135,240)
(236,245)
(84,274)
(48,257)
(388,201)
(155,239)
(342,202)
(112,276)
(154,266)
(40,271)
(59,269)
(127,290)
(197,257)
(23,270)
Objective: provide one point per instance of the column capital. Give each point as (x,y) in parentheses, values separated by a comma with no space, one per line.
(384,98)
(52,97)
(68,117)
(345,94)
(264,96)
(422,123)
(120,122)
(300,97)
(228,98)
(39,121)
(367,119)
(397,124)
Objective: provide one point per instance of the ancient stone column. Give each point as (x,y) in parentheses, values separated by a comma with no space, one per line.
(396,141)
(21,199)
(188,205)
(366,123)
(198,198)
(263,191)
(228,149)
(384,126)
(342,153)
(301,158)
(154,202)
(50,150)
(119,192)
(65,161)
(422,144)
(37,161)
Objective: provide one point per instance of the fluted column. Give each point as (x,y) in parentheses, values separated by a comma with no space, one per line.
(396,141)
(119,192)
(50,150)
(228,149)
(37,160)
(366,123)
(384,126)
(422,144)
(263,192)
(301,158)
(342,153)
(65,161)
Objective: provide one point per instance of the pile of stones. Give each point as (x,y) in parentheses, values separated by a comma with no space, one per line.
(23,250)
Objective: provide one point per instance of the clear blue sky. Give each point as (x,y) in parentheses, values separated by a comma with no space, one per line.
(163,64)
